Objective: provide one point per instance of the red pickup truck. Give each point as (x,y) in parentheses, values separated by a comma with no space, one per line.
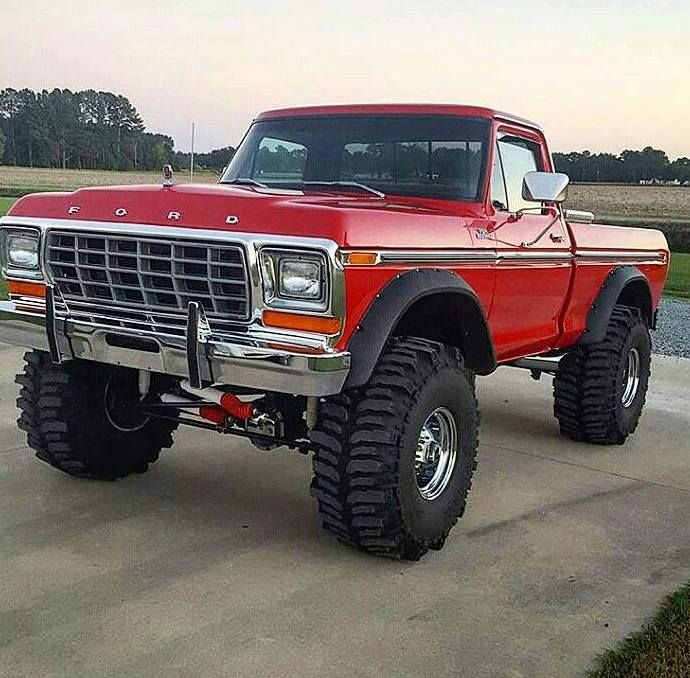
(337,292)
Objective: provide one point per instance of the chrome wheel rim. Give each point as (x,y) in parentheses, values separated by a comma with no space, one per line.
(436,453)
(631,377)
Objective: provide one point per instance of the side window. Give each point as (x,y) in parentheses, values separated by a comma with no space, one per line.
(518,157)
(279,160)
(499,198)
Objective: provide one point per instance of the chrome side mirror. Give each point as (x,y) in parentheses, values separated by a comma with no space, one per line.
(545,187)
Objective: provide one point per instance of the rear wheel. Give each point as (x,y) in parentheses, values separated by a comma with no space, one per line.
(394,460)
(600,389)
(74,418)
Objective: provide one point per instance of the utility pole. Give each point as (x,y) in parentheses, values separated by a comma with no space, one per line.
(191,162)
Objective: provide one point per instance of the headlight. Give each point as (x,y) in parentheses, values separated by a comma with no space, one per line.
(21,250)
(294,279)
(300,279)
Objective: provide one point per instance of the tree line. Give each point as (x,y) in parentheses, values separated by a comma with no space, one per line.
(85,130)
(649,164)
(213,160)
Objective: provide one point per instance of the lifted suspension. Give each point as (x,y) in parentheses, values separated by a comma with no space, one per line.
(262,420)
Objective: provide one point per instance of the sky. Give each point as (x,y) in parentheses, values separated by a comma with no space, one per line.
(602,76)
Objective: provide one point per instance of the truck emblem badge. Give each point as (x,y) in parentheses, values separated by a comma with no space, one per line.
(174,216)
(74,209)
(167,175)
(482,234)
(231,219)
(120,212)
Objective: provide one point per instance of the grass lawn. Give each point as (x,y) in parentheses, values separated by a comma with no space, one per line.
(678,283)
(660,650)
(5,204)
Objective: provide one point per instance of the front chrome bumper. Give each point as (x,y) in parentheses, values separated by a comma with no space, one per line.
(255,360)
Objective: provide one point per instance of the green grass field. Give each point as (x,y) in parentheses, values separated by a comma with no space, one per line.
(5,204)
(678,282)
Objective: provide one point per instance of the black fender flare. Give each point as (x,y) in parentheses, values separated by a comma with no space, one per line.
(620,280)
(396,298)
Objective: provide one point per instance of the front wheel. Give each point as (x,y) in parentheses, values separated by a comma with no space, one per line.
(75,418)
(394,460)
(600,389)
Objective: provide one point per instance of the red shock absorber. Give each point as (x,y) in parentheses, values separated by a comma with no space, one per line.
(214,413)
(229,405)
(236,408)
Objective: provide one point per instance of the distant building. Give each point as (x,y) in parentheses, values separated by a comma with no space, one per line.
(663,182)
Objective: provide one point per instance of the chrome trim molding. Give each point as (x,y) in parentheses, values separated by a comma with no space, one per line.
(534,256)
(468,256)
(458,256)
(646,256)
(435,256)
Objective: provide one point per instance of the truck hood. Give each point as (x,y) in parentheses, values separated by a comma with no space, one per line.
(348,220)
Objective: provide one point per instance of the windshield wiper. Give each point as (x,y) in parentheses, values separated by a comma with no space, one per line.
(344,184)
(245,181)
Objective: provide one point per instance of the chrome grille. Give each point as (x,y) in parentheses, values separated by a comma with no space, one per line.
(147,283)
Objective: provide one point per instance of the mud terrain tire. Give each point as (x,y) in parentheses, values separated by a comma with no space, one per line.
(366,464)
(63,412)
(594,399)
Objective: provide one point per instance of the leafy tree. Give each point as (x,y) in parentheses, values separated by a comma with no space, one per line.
(9,108)
(85,130)
(680,169)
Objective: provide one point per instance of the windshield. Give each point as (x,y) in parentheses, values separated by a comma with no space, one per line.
(430,156)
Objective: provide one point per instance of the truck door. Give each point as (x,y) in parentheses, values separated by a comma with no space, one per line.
(534,259)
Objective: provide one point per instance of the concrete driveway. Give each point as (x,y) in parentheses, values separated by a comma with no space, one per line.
(212,563)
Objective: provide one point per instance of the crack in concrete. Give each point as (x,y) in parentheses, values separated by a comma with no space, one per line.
(585,467)
(543,510)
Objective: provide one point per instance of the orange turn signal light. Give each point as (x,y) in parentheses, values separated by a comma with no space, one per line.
(307,323)
(362,258)
(24,288)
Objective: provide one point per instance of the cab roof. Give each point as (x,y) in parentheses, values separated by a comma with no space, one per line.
(397,109)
